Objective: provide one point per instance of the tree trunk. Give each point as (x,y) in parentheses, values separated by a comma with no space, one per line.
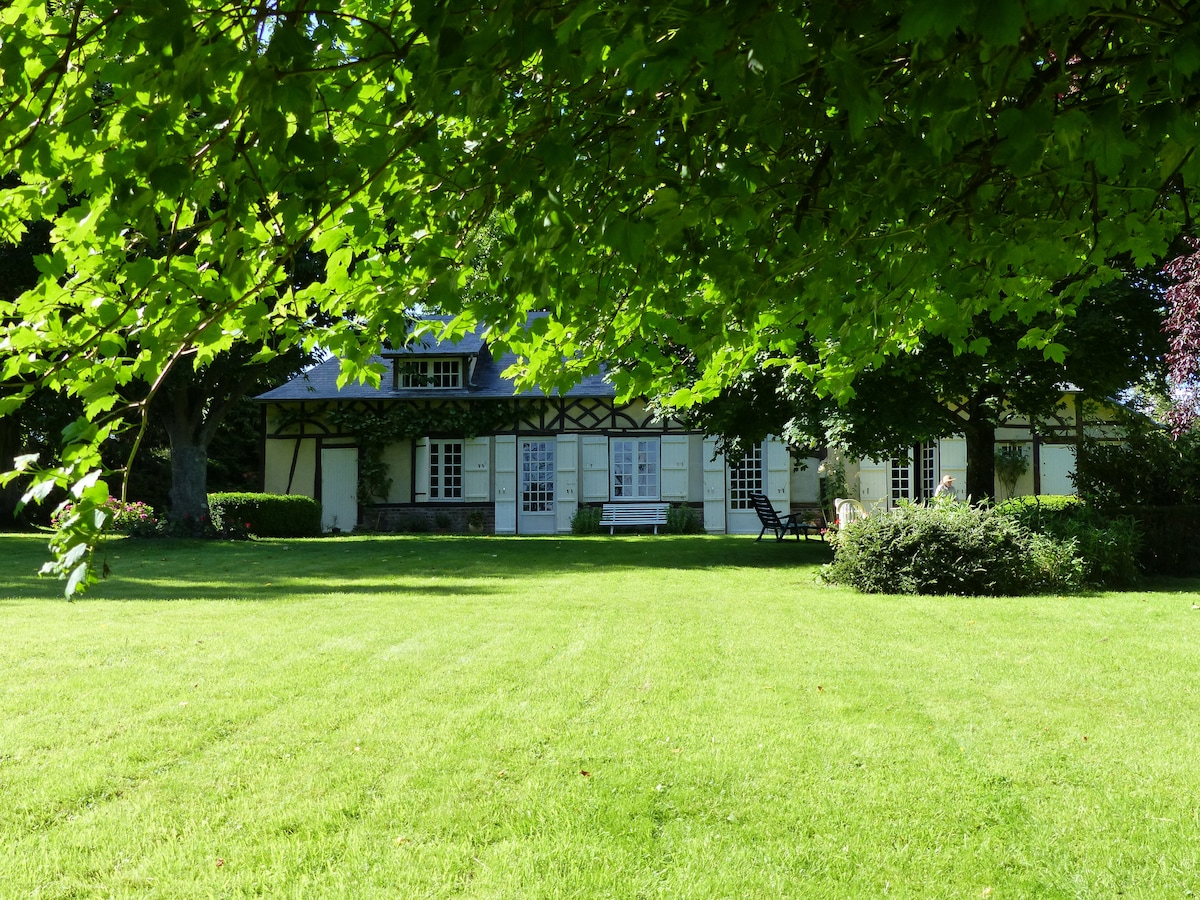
(10,446)
(189,480)
(981,461)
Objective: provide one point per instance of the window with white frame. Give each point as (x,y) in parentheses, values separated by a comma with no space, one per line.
(429,373)
(901,486)
(746,478)
(633,466)
(915,478)
(927,456)
(537,476)
(445,470)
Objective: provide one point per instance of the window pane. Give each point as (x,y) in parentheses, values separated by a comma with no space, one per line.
(445,470)
(537,476)
(746,478)
(634,468)
(929,477)
(437,373)
(414,374)
(901,485)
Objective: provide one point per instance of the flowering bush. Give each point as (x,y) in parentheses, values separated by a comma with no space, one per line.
(136,519)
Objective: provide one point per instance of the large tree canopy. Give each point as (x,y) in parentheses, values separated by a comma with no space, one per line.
(1114,340)
(734,178)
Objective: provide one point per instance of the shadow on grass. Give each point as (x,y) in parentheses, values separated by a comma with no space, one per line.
(164,570)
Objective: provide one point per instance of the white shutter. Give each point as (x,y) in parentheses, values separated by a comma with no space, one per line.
(778,487)
(566,491)
(476,475)
(873,486)
(714,488)
(594,451)
(506,484)
(421,479)
(806,482)
(673,464)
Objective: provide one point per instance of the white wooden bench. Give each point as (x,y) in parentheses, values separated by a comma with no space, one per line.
(614,514)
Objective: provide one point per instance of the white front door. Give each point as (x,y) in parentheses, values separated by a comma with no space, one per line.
(1057,467)
(536,510)
(746,478)
(339,488)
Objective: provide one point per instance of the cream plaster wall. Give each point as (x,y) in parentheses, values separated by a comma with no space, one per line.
(398,458)
(278,464)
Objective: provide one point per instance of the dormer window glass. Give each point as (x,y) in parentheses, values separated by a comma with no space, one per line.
(429,373)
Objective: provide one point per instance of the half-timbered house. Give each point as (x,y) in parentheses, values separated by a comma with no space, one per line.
(446,439)
(446,435)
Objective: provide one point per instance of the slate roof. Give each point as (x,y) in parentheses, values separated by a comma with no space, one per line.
(428,345)
(485,383)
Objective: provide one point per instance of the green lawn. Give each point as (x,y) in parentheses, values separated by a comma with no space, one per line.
(640,717)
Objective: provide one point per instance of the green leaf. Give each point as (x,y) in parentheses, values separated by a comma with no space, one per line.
(169,179)
(938,18)
(1000,22)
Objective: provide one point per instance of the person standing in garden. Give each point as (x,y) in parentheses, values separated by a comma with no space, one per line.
(945,488)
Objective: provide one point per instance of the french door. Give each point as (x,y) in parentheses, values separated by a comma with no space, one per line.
(535,508)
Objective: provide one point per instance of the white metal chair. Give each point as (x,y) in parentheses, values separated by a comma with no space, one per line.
(848,511)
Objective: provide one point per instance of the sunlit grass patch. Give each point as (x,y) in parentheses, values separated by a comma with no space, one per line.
(638,717)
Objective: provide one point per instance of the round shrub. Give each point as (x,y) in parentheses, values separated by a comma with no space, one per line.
(951,548)
(136,519)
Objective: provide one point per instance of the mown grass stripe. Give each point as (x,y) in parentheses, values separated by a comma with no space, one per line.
(638,717)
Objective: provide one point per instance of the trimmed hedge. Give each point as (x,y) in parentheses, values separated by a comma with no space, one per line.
(265,515)
(952,548)
(1046,509)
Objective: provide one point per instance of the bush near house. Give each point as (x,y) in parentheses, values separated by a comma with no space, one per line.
(266,515)
(1147,469)
(684,519)
(952,548)
(586,520)
(1108,545)
(1155,481)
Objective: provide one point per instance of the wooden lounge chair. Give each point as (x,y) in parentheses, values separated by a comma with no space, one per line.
(770,519)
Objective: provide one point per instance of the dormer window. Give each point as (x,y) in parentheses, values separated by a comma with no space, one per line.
(428,373)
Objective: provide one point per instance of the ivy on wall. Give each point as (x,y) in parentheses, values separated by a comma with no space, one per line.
(376,428)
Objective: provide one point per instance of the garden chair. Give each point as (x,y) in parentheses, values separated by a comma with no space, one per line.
(770,519)
(848,511)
